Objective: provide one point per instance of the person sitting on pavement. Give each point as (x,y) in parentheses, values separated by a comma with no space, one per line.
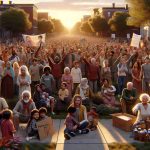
(128,98)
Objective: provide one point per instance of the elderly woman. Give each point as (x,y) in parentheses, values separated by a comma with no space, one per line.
(143,109)
(84,91)
(81,112)
(67,77)
(23,109)
(24,80)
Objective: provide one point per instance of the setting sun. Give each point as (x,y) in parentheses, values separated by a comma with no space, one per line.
(67,17)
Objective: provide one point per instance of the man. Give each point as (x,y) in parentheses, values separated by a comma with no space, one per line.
(128,98)
(145,75)
(23,109)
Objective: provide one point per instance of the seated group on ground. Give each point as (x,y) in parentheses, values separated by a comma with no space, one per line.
(67,81)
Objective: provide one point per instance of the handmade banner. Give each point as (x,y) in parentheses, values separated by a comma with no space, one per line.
(34,40)
(135,42)
(45,128)
(113,36)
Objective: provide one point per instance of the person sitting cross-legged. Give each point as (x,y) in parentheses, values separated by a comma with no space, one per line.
(128,98)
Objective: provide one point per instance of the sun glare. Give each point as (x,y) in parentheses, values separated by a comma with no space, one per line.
(67,17)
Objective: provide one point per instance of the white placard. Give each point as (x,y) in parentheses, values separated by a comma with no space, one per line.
(34,40)
(128,36)
(135,42)
(113,36)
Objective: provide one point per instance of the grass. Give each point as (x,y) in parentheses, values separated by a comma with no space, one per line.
(132,146)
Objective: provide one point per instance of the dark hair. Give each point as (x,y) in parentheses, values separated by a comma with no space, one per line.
(42,110)
(93,108)
(47,68)
(64,83)
(6,114)
(31,117)
(105,79)
(40,36)
(71,110)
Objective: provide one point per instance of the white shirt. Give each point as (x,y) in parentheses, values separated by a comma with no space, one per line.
(142,112)
(76,75)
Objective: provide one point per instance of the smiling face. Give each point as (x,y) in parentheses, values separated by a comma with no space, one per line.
(36,116)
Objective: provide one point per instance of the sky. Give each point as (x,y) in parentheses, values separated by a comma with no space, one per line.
(70,11)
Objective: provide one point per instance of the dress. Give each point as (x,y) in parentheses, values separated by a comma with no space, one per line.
(24,87)
(137,84)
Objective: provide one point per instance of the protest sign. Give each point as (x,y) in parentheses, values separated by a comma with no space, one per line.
(135,40)
(45,128)
(34,40)
(113,36)
(128,36)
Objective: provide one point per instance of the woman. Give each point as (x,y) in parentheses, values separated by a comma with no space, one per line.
(67,77)
(84,91)
(8,81)
(136,77)
(108,93)
(81,112)
(16,71)
(24,80)
(143,109)
(106,72)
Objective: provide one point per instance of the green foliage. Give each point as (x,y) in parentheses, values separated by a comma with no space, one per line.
(118,22)
(86,28)
(139,12)
(99,24)
(58,26)
(15,20)
(45,26)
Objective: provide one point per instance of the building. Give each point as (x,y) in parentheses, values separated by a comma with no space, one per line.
(108,12)
(43,15)
(30,9)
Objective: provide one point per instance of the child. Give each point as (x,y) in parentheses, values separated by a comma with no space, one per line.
(49,100)
(92,118)
(63,93)
(7,126)
(42,113)
(72,126)
(32,130)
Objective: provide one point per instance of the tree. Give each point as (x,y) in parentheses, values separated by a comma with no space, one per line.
(139,12)
(45,26)
(99,24)
(15,20)
(76,28)
(85,27)
(58,26)
(118,22)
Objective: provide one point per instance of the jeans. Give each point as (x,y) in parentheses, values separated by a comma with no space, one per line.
(146,86)
(121,83)
(93,85)
(81,127)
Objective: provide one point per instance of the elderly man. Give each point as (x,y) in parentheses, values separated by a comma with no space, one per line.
(23,109)
(128,98)
(3,104)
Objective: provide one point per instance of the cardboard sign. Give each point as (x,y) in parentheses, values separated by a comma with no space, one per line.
(45,128)
(34,40)
(113,36)
(135,42)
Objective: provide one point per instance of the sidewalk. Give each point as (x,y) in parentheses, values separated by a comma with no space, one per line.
(95,140)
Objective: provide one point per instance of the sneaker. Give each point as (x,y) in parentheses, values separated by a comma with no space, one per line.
(72,134)
(67,136)
(84,131)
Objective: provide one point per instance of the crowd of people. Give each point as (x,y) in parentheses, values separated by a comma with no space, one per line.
(64,74)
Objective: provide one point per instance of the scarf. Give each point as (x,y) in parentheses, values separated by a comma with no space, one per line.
(26,106)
